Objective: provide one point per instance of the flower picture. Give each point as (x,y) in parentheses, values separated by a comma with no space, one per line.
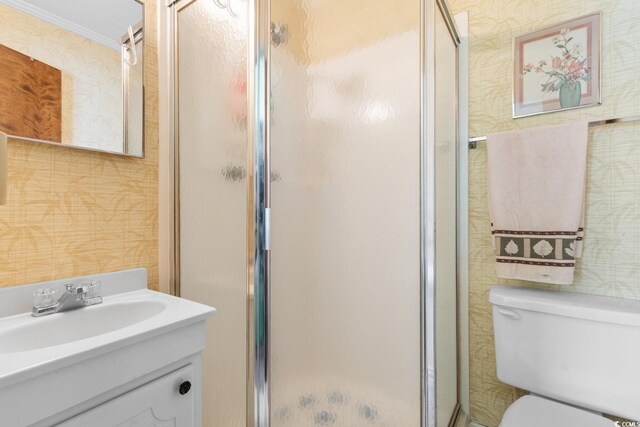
(558,67)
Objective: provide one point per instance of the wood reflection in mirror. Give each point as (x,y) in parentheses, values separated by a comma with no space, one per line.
(30,97)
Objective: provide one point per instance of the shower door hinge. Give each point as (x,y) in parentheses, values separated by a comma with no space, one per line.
(267,229)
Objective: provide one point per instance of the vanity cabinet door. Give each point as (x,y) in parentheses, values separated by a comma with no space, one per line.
(168,401)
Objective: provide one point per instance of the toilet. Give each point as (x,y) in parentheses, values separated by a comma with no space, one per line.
(576,354)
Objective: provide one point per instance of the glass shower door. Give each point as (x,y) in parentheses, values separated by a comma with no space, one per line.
(211,109)
(339,328)
(446,299)
(345,238)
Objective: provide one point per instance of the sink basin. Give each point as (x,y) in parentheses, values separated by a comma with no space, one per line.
(83,323)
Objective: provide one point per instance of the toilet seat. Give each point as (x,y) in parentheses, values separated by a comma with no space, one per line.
(533,411)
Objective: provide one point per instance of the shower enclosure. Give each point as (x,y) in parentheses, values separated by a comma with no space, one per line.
(315,146)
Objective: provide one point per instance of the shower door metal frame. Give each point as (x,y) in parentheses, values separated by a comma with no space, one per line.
(259,202)
(258,211)
(427,215)
(260,138)
(174,286)
(430,8)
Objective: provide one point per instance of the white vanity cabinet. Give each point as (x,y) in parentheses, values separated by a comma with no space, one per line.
(166,402)
(132,361)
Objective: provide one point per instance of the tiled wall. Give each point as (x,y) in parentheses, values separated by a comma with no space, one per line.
(71,212)
(610,265)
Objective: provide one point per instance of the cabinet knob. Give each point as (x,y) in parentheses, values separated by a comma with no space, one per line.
(184,388)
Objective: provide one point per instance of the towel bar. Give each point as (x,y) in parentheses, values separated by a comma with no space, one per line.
(473,141)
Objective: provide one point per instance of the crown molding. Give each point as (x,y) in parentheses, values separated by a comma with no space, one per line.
(39,13)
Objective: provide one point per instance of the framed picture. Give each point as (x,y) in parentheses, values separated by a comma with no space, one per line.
(557,68)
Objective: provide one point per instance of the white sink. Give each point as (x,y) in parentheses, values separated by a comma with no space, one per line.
(70,326)
(92,354)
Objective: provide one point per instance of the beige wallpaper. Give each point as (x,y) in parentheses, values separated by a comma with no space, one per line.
(611,261)
(91,77)
(71,212)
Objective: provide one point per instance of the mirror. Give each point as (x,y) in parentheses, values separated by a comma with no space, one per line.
(71,73)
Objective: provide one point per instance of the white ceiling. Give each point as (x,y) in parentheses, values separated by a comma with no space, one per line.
(105,19)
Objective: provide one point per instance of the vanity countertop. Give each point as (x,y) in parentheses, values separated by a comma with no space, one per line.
(130,313)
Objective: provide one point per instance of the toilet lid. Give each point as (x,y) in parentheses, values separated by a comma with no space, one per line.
(533,411)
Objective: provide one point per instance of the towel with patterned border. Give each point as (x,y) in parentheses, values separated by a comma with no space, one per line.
(536,191)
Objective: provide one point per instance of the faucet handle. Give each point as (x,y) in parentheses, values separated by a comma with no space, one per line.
(91,292)
(94,289)
(44,297)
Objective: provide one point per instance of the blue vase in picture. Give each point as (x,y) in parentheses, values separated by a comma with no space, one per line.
(570,94)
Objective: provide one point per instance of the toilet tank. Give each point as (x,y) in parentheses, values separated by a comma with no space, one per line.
(579,349)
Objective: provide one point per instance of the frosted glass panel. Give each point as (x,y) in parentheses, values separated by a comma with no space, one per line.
(345,278)
(446,253)
(212,144)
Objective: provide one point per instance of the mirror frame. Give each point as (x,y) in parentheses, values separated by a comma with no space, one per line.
(138,35)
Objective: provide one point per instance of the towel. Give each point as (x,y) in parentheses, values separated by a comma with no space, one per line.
(536,191)
(3,168)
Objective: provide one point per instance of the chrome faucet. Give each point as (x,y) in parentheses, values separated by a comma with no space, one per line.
(75,296)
